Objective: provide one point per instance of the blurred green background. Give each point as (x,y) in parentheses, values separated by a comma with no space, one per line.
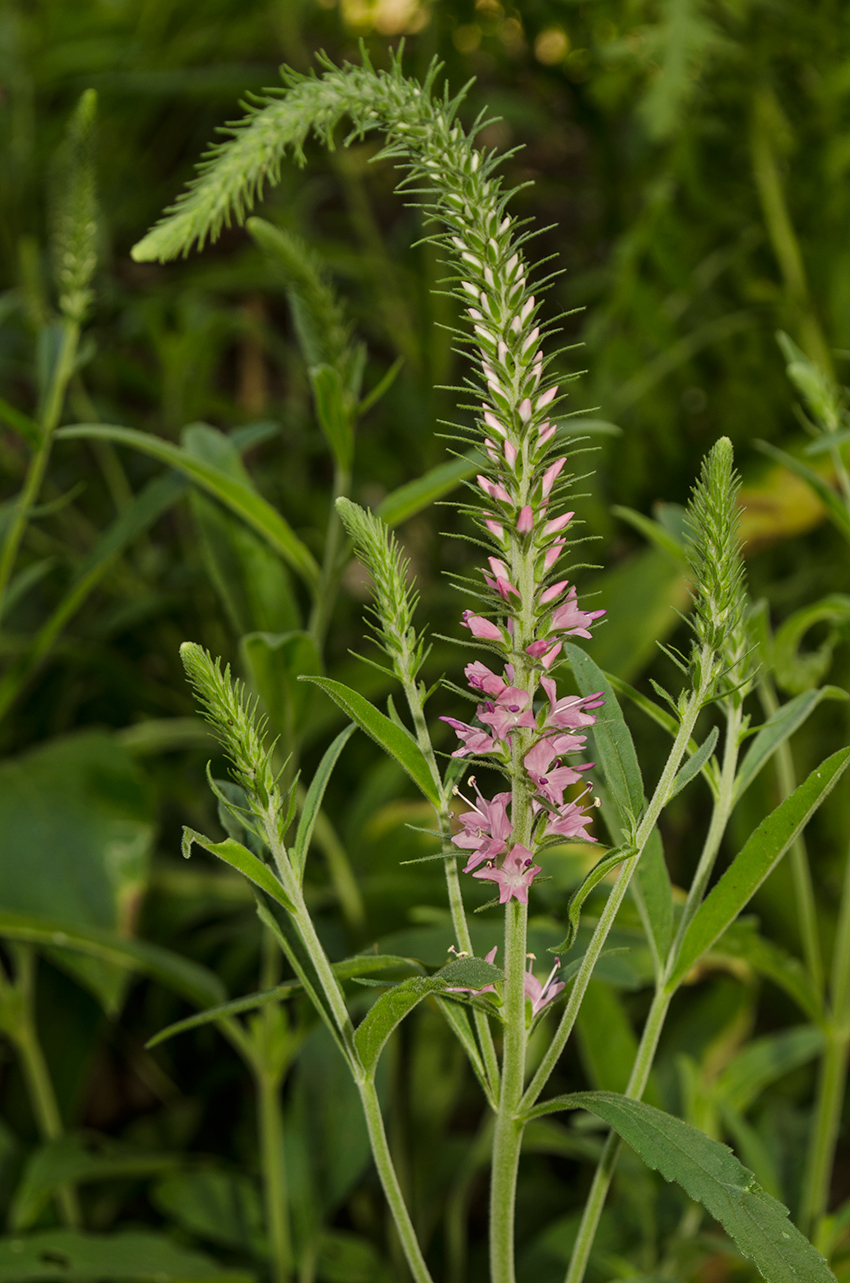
(686,164)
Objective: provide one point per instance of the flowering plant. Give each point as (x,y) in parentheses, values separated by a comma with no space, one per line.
(530,733)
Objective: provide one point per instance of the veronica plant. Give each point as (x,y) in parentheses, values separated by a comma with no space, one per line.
(530,728)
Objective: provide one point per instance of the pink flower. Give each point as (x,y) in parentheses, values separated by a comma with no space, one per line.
(569,713)
(472,739)
(545,432)
(501,583)
(485,830)
(481,678)
(509,711)
(541,994)
(493,490)
(483,628)
(551,474)
(549,658)
(569,619)
(550,780)
(557,524)
(514,877)
(570,822)
(525,520)
(553,591)
(553,553)
(496,528)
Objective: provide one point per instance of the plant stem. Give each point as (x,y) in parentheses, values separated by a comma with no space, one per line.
(801,873)
(832,1079)
(389,1182)
(615,899)
(37,1077)
(507,1136)
(663,996)
(605,1168)
(48,421)
(720,813)
(270,1120)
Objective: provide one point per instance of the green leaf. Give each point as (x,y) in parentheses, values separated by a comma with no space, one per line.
(313,800)
(391,1008)
(75,1160)
(333,412)
(392,739)
(276,661)
(711,1175)
(236,1006)
(796,672)
(694,764)
(241,859)
(362,965)
(642,596)
(20,423)
(183,976)
(751,866)
(250,578)
(776,730)
(741,941)
(614,746)
(79,814)
(407,500)
(654,895)
(578,897)
(653,531)
(132,1257)
(763,1061)
(343,1257)
(244,501)
(607,1041)
(221,1207)
(834,505)
(458,1020)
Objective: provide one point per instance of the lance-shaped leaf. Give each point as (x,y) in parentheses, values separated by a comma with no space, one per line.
(239,498)
(578,897)
(834,505)
(711,1175)
(134,1256)
(313,800)
(754,862)
(413,496)
(614,746)
(351,967)
(73,1160)
(742,942)
(241,859)
(694,764)
(391,1008)
(392,738)
(189,979)
(333,411)
(783,723)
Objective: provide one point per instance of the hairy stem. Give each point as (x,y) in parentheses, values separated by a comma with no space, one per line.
(389,1182)
(507,1136)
